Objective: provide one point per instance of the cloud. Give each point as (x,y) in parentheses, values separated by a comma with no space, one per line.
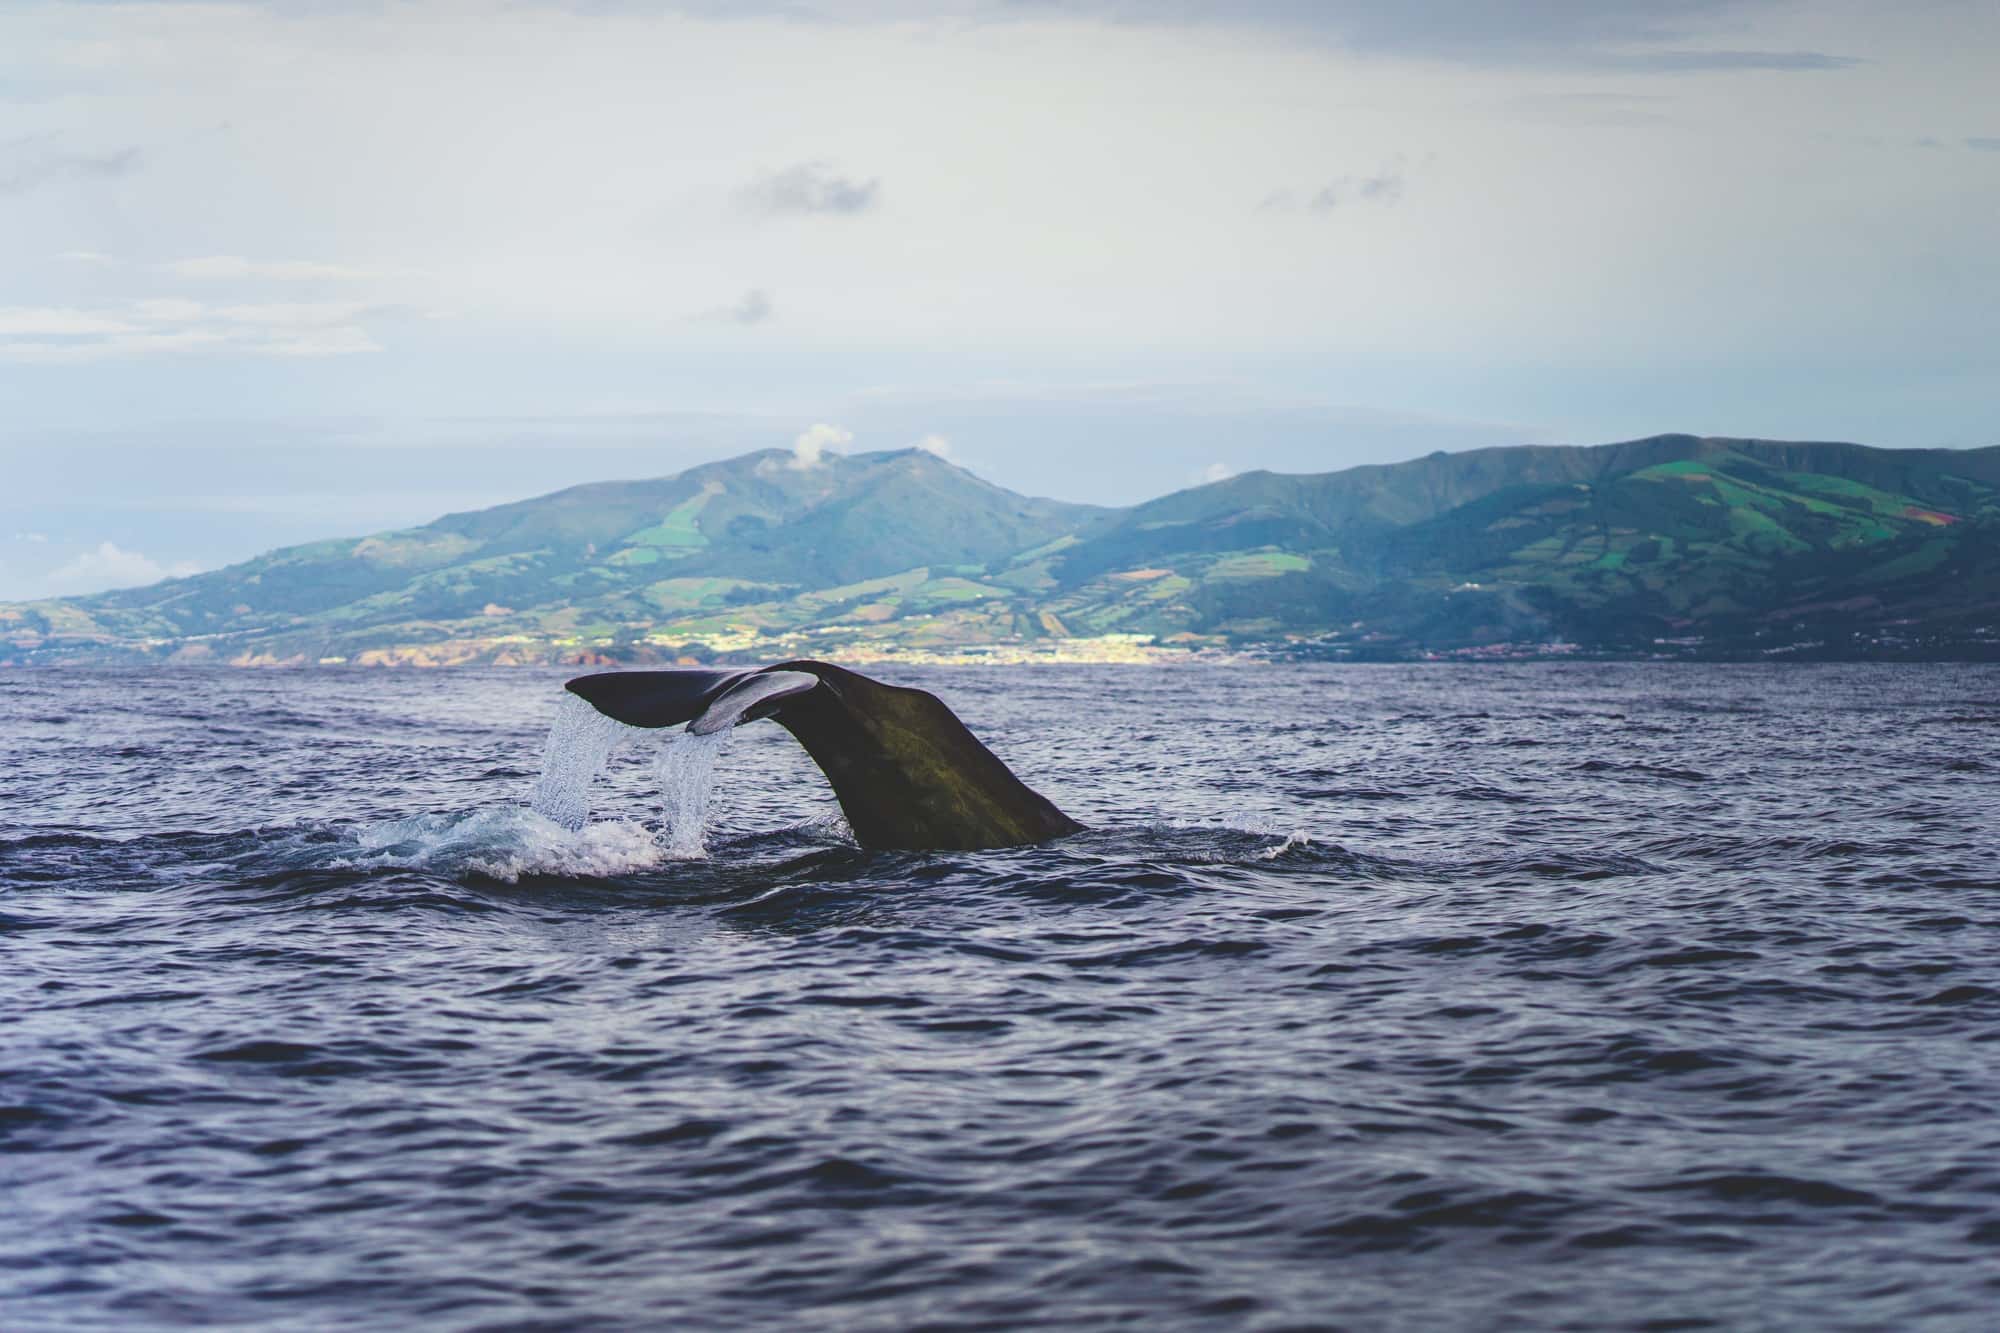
(1698,62)
(1651,36)
(294,314)
(813,441)
(111,566)
(1594,110)
(168,340)
(81,351)
(1384,188)
(291,329)
(1658,36)
(1215,472)
(936,445)
(85,257)
(153,326)
(346,340)
(169,309)
(32,167)
(282,270)
(33,538)
(809,189)
(753,309)
(1648,36)
(1983,145)
(54,322)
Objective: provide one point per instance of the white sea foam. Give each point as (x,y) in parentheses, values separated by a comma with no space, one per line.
(505,843)
(1292,842)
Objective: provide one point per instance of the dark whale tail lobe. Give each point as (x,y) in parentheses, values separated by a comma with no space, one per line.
(908,774)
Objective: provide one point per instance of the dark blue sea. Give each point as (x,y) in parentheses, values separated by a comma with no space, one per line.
(1559,996)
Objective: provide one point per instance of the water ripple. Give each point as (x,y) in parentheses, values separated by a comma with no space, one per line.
(1513,997)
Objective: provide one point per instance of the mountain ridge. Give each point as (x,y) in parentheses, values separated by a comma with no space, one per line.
(1672,544)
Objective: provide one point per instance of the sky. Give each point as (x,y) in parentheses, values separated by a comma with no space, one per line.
(271,273)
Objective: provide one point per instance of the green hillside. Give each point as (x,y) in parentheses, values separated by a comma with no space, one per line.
(1671,544)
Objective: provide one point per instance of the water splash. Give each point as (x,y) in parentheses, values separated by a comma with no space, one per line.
(1292,843)
(686,774)
(498,842)
(581,741)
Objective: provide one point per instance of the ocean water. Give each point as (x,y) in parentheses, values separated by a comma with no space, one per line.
(1539,996)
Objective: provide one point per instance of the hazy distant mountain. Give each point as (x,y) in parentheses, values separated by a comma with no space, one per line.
(1677,544)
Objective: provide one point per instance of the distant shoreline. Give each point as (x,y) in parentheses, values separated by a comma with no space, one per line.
(456,657)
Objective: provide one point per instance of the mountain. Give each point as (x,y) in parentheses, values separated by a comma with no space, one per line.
(1736,543)
(1673,544)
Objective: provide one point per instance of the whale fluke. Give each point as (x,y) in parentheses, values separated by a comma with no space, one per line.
(739,703)
(908,774)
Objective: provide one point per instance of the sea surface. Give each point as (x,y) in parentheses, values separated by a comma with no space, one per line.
(1430,997)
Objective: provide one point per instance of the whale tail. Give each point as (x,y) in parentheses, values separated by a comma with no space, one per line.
(907,773)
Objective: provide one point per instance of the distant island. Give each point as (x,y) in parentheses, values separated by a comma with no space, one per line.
(1673,546)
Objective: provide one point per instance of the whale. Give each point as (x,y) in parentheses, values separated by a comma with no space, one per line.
(909,775)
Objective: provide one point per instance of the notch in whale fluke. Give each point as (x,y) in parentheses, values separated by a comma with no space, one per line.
(908,774)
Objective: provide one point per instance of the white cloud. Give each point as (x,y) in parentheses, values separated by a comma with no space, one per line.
(294,314)
(169,309)
(814,440)
(53,354)
(273,314)
(166,340)
(284,270)
(112,566)
(1215,472)
(61,336)
(936,444)
(85,257)
(346,340)
(52,322)
(83,351)
(754,308)
(578,255)
(37,538)
(807,189)
(1385,187)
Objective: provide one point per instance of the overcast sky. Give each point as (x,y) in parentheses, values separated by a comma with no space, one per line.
(277,272)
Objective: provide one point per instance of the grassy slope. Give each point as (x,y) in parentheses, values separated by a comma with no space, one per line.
(1618,544)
